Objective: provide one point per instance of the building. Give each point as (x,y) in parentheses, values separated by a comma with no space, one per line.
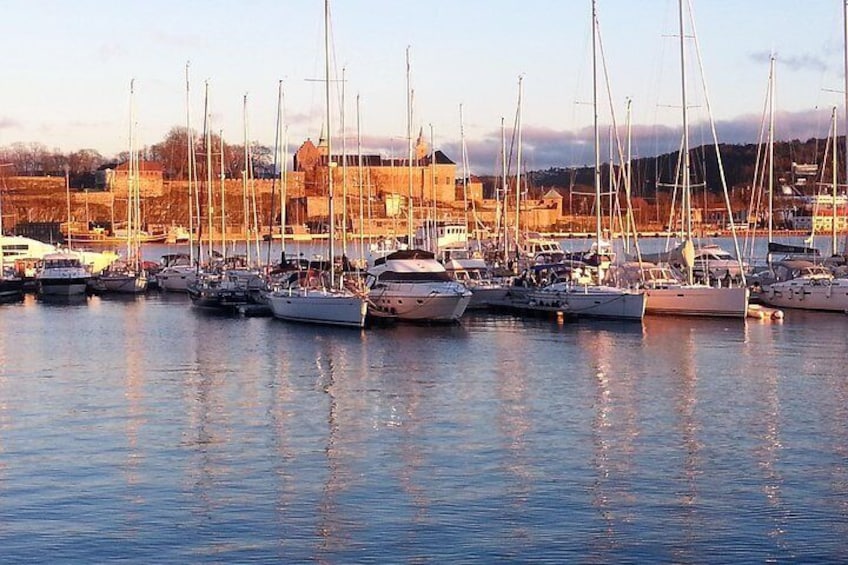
(430,177)
(113,178)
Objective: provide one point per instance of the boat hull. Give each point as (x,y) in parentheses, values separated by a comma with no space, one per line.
(176,280)
(590,301)
(123,283)
(11,288)
(698,300)
(420,302)
(810,294)
(71,286)
(318,307)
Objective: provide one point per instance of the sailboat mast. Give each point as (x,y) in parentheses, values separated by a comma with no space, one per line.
(409,227)
(245,198)
(331,210)
(222,177)
(833,243)
(464,170)
(502,198)
(344,169)
(131,173)
(435,239)
(283,191)
(518,172)
(845,78)
(208,139)
(771,152)
(359,180)
(845,89)
(597,136)
(687,210)
(190,172)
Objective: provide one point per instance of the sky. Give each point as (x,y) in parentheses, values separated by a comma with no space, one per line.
(68,65)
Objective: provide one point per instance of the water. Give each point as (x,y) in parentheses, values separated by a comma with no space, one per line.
(144,430)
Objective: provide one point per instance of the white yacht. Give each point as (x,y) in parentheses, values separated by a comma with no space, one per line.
(177,273)
(62,274)
(666,293)
(577,298)
(122,278)
(412,286)
(812,288)
(307,297)
(474,273)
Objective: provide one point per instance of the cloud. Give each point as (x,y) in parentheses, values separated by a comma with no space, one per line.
(544,148)
(9,123)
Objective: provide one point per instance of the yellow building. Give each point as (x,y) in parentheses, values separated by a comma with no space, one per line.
(430,177)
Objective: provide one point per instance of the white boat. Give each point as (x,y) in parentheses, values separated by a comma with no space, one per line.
(574,296)
(589,301)
(412,286)
(813,288)
(305,298)
(665,293)
(121,278)
(128,276)
(176,273)
(62,274)
(441,235)
(321,303)
(688,292)
(475,274)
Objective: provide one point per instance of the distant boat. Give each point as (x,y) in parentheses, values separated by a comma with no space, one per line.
(475,274)
(128,276)
(62,274)
(176,272)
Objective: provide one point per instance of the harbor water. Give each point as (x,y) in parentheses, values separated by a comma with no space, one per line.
(144,430)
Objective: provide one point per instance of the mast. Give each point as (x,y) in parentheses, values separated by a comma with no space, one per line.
(359,179)
(435,240)
(207,132)
(132,171)
(329,141)
(687,206)
(502,203)
(344,169)
(409,230)
(833,243)
(771,152)
(518,174)
(68,193)
(283,191)
(845,88)
(245,200)
(597,136)
(190,172)
(224,202)
(464,172)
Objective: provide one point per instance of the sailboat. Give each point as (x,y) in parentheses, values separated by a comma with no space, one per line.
(811,286)
(318,299)
(178,270)
(580,298)
(128,276)
(664,291)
